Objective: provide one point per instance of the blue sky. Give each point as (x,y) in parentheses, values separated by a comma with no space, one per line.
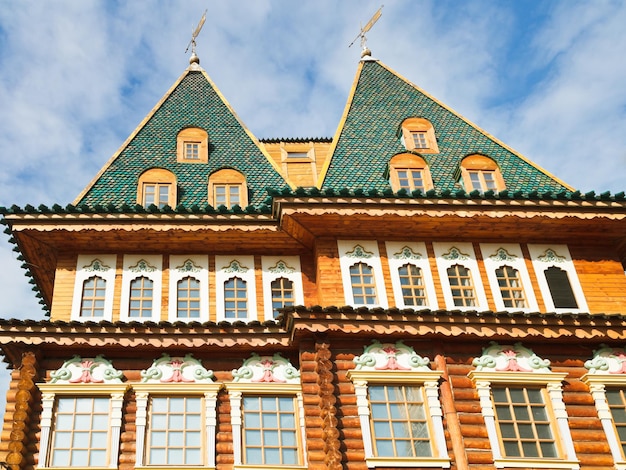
(76,77)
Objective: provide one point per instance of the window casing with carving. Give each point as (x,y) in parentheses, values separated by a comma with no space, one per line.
(522,404)
(188,288)
(361,272)
(460,277)
(282,283)
(94,288)
(547,259)
(141,288)
(235,289)
(409,172)
(418,134)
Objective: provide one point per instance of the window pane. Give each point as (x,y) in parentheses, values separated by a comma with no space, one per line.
(398,421)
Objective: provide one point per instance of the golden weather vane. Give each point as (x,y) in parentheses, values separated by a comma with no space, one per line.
(195,33)
(366,28)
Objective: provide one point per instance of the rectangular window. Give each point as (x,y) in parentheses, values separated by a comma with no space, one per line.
(617,404)
(282,294)
(523,422)
(482,180)
(419,140)
(175,431)
(192,150)
(398,421)
(156,193)
(80,436)
(291,155)
(363,285)
(270,434)
(410,179)
(227,194)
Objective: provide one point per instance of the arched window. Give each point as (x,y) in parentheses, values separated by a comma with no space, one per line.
(227,187)
(140,303)
(282,294)
(188,298)
(235,298)
(363,285)
(157,186)
(192,145)
(461,286)
(418,134)
(560,288)
(511,287)
(93,297)
(481,173)
(410,172)
(412,282)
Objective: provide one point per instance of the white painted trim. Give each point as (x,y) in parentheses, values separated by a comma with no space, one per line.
(153,272)
(442,249)
(552,384)
(566,264)
(417,256)
(199,270)
(223,264)
(272,270)
(348,257)
(85,270)
(515,261)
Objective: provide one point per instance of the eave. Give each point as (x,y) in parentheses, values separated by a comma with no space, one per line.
(340,324)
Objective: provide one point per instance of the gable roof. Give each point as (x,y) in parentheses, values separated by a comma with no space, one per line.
(193,101)
(368,136)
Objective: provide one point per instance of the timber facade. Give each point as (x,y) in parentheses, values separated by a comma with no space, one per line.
(410,293)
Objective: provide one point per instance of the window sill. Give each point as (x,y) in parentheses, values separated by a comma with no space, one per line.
(407,462)
(171,467)
(268,466)
(536,463)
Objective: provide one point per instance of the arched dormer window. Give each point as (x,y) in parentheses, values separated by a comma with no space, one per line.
(227,187)
(192,145)
(419,134)
(157,186)
(481,173)
(410,172)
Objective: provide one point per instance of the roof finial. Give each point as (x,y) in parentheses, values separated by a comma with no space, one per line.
(194,60)
(366,54)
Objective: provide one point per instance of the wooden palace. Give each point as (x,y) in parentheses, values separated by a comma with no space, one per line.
(410,293)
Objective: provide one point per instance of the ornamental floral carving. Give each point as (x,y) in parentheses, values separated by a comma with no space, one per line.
(407,253)
(502,255)
(455,254)
(281,268)
(516,358)
(189,267)
(142,266)
(97,266)
(550,256)
(168,369)
(235,267)
(359,252)
(607,360)
(95,370)
(390,356)
(268,369)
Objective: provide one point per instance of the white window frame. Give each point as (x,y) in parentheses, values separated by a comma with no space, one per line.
(207,391)
(401,253)
(136,266)
(196,267)
(275,267)
(87,266)
(464,255)
(227,267)
(562,260)
(498,255)
(361,251)
(606,369)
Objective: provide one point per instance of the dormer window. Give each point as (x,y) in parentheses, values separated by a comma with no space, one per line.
(419,134)
(227,188)
(410,172)
(192,145)
(481,173)
(157,186)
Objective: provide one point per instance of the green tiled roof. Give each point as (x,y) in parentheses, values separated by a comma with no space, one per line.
(194,102)
(370,137)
